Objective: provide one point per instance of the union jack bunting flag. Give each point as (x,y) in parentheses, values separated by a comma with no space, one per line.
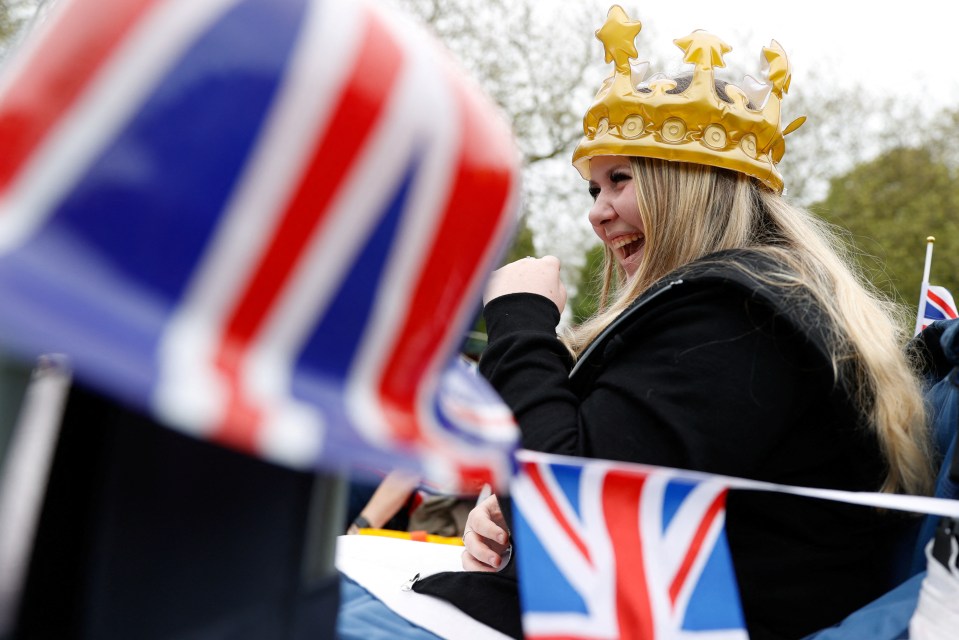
(937,304)
(612,550)
(266,222)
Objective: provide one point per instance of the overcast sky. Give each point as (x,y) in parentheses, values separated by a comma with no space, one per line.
(904,46)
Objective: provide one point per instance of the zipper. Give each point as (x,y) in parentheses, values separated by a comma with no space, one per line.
(602,337)
(408,585)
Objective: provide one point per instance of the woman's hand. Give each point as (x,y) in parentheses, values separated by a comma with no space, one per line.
(486,537)
(529,275)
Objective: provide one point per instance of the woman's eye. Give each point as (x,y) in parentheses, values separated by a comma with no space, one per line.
(620,176)
(594,192)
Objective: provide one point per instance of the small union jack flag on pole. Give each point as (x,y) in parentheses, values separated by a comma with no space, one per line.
(935,303)
(266,222)
(939,305)
(614,550)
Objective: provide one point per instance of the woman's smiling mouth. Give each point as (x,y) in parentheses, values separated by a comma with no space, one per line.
(626,245)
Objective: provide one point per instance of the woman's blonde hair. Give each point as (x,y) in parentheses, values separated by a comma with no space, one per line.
(690,211)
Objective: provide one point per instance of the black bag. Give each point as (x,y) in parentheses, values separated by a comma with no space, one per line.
(491,598)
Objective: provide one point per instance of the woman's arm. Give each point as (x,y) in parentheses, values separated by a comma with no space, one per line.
(705,378)
(390,496)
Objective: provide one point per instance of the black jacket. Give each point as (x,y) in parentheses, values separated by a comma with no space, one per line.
(714,370)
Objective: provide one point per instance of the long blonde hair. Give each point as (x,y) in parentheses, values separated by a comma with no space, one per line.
(690,211)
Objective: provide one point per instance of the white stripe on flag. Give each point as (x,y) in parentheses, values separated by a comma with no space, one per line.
(189,385)
(589,578)
(914,504)
(425,107)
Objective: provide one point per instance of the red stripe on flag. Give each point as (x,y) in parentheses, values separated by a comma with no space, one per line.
(471,217)
(622,493)
(359,108)
(70,54)
(946,309)
(696,546)
(472,478)
(532,470)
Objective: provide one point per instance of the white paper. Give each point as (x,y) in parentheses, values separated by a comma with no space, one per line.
(383,565)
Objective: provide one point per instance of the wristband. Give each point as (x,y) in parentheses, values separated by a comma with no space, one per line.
(362,523)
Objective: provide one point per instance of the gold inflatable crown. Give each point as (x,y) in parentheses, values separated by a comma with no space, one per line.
(688,118)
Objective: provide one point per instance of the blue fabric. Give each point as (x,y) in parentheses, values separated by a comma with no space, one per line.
(363,617)
(886,618)
(943,399)
(950,342)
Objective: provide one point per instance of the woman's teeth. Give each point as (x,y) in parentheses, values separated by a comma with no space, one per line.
(628,244)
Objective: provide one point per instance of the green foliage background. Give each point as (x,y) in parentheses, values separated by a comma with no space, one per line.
(890,205)
(13,15)
(584,303)
(521,247)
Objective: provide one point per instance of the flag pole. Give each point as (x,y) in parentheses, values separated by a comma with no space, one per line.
(930,240)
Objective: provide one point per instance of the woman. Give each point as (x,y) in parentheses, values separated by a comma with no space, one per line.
(732,337)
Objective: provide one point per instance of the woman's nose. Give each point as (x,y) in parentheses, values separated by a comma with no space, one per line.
(601,211)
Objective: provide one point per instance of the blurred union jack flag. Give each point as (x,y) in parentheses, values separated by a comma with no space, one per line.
(266,222)
(613,550)
(937,304)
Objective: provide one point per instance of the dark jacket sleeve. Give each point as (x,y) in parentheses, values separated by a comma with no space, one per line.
(706,378)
